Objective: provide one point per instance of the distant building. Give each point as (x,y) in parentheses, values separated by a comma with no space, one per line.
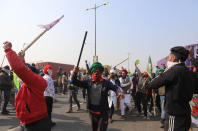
(55,66)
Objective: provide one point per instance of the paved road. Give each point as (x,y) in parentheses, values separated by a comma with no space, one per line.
(79,120)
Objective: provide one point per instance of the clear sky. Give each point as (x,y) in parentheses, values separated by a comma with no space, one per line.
(138,27)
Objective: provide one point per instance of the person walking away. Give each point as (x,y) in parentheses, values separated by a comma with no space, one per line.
(5,87)
(161,92)
(59,80)
(49,92)
(73,91)
(64,83)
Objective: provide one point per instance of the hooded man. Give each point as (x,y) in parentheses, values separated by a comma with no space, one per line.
(179,84)
(29,102)
(97,91)
(49,92)
(125,83)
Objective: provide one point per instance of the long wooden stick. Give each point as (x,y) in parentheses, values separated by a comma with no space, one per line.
(82,49)
(121,62)
(154,102)
(27,47)
(3,60)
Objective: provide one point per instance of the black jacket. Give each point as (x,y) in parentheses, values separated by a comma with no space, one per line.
(179,85)
(5,81)
(195,64)
(106,86)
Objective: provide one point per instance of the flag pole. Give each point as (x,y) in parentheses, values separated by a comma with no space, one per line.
(3,61)
(27,47)
(121,62)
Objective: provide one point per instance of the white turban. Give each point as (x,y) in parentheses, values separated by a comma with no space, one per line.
(113,71)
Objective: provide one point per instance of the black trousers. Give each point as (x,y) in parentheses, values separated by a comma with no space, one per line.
(5,96)
(133,94)
(158,103)
(150,99)
(111,111)
(41,125)
(142,99)
(84,93)
(73,94)
(99,122)
(177,123)
(49,103)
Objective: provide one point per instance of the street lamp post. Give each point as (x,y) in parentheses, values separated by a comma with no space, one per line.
(95,57)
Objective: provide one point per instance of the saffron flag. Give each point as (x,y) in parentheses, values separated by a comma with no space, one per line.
(149,67)
(49,26)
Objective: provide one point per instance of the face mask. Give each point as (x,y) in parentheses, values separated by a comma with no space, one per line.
(49,72)
(96,77)
(171,64)
(7,71)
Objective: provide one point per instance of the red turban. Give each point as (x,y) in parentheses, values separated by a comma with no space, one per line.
(47,67)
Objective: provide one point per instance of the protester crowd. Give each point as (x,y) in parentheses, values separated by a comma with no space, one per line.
(167,92)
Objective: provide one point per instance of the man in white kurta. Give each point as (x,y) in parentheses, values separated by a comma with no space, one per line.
(125,83)
(112,99)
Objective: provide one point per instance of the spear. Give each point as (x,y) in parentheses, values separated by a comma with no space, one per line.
(46,27)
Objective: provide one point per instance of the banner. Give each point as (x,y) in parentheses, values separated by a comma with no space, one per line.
(194,111)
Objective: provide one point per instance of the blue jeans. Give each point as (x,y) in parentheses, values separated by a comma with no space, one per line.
(162,99)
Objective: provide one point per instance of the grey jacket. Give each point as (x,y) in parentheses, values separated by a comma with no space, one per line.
(142,82)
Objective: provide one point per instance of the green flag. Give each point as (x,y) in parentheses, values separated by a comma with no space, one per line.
(137,62)
(149,67)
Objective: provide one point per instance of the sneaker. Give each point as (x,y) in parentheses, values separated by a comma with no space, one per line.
(110,120)
(5,112)
(148,118)
(139,114)
(70,111)
(53,124)
(78,109)
(162,126)
(122,117)
(145,117)
(150,114)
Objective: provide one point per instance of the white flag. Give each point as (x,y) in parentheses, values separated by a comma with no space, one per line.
(49,26)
